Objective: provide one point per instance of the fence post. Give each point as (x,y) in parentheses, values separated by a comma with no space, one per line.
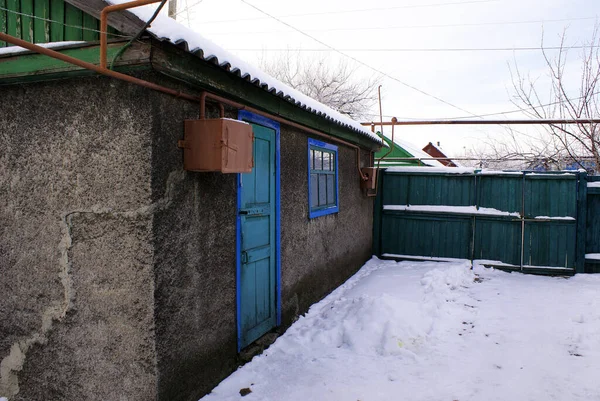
(581,221)
(476,201)
(377,214)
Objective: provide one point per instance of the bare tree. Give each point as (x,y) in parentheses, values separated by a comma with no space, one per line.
(335,84)
(516,151)
(569,143)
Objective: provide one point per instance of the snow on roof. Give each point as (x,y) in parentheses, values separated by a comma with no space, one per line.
(414,150)
(10,50)
(441,149)
(165,28)
(443,169)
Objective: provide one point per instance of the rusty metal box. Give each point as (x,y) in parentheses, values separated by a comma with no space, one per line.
(371,174)
(219,144)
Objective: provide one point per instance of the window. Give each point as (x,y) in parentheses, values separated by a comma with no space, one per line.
(322,178)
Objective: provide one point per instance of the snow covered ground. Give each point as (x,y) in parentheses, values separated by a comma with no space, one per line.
(435,331)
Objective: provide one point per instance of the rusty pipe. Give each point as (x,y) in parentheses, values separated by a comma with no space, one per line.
(394,121)
(372,161)
(380,114)
(240,106)
(104,24)
(95,68)
(388,152)
(203,96)
(113,74)
(491,122)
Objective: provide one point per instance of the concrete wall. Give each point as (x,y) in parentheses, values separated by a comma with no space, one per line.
(76,260)
(317,255)
(194,245)
(118,268)
(195,271)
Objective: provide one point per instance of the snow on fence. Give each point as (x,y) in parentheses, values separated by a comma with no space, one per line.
(516,220)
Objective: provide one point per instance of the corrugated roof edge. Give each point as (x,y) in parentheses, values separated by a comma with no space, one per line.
(168,30)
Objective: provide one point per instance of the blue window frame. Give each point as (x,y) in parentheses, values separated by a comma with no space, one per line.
(322,178)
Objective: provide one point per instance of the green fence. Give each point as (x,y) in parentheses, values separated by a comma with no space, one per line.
(43,21)
(592,243)
(514,220)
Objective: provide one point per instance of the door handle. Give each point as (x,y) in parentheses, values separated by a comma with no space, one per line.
(244,258)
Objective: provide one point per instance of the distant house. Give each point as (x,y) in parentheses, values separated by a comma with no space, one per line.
(589,165)
(436,151)
(124,276)
(547,164)
(403,153)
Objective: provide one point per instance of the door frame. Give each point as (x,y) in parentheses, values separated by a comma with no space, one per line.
(265,122)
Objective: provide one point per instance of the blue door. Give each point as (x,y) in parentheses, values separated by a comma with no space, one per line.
(258,240)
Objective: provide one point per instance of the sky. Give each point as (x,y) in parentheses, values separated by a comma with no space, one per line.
(388,38)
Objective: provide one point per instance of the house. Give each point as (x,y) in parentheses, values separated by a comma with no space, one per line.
(403,153)
(436,151)
(124,276)
(589,165)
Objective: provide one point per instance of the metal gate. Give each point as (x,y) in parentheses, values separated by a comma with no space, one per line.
(524,221)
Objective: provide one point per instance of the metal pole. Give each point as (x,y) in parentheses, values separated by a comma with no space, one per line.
(489,122)
(104,23)
(523,221)
(95,68)
(173,9)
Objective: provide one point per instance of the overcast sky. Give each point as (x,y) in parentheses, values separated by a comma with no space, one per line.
(477,82)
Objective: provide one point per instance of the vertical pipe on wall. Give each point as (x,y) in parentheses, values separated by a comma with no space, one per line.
(104,24)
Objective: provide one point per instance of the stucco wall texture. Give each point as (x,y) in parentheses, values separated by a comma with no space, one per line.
(76,261)
(317,255)
(117,267)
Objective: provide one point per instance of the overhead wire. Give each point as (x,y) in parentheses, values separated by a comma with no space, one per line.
(472,115)
(378,28)
(139,34)
(362,10)
(358,61)
(187,7)
(63,24)
(390,50)
(500,112)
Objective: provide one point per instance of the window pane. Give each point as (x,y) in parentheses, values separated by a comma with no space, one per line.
(312,159)
(330,189)
(326,161)
(322,189)
(318,160)
(314,191)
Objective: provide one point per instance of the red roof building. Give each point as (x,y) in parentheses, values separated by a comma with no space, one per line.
(434,151)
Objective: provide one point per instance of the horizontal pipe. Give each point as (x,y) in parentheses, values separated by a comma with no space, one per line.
(104,24)
(488,122)
(237,105)
(150,85)
(489,159)
(93,67)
